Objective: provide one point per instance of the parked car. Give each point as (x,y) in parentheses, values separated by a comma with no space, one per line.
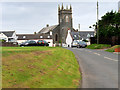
(42,43)
(74,44)
(81,44)
(28,43)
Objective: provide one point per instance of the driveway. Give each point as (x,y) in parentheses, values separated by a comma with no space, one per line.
(99,68)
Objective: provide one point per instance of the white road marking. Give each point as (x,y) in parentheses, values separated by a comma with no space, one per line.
(111,59)
(97,54)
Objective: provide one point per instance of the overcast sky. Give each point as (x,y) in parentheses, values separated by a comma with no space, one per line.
(30,17)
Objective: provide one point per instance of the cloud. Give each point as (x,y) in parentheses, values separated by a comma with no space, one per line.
(28,17)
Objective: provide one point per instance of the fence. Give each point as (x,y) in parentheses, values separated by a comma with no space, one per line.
(9,44)
(115,40)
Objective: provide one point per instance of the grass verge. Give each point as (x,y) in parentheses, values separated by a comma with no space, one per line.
(112,49)
(98,46)
(39,67)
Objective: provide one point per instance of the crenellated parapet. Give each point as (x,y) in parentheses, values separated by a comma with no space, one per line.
(63,8)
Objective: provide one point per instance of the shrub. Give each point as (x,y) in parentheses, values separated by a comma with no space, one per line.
(98,46)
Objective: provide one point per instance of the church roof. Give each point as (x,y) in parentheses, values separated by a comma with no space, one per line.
(75,35)
(47,29)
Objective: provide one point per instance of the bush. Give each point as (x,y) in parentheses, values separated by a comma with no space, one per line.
(2,40)
(98,46)
(59,41)
(112,49)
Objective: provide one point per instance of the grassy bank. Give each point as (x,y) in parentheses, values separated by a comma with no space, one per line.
(98,46)
(39,67)
(112,49)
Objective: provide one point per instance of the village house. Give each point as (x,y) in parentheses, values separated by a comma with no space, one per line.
(24,37)
(8,36)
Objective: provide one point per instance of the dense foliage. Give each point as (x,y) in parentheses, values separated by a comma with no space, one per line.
(109,25)
(2,40)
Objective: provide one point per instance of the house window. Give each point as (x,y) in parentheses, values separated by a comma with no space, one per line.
(48,36)
(88,35)
(87,39)
(24,36)
(41,36)
(75,36)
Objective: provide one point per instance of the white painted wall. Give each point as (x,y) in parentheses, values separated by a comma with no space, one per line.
(21,41)
(69,39)
(3,36)
(15,37)
(47,40)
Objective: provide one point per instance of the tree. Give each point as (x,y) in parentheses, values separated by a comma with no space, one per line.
(109,25)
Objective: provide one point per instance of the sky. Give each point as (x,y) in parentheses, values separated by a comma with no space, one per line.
(30,17)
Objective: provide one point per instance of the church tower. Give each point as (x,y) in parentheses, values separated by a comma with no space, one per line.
(65,21)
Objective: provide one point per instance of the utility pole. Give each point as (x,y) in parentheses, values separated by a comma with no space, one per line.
(97,24)
(79,31)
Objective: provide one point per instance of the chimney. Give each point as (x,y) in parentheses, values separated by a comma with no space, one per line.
(47,25)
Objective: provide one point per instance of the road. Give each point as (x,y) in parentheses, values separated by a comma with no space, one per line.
(99,68)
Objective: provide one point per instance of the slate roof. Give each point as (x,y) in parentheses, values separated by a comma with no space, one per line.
(7,33)
(47,29)
(32,36)
(82,34)
(75,35)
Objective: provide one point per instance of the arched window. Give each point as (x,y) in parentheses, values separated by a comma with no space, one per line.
(56,37)
(67,19)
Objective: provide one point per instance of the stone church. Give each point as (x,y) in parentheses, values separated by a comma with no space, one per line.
(59,32)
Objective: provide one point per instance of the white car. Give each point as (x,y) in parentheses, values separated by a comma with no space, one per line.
(74,44)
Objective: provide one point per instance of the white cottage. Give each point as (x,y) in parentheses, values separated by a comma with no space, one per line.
(3,37)
(9,36)
(69,39)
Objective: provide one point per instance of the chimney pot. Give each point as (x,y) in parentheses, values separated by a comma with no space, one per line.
(47,25)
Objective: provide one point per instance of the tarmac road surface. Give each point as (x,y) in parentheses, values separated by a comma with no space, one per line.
(99,68)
